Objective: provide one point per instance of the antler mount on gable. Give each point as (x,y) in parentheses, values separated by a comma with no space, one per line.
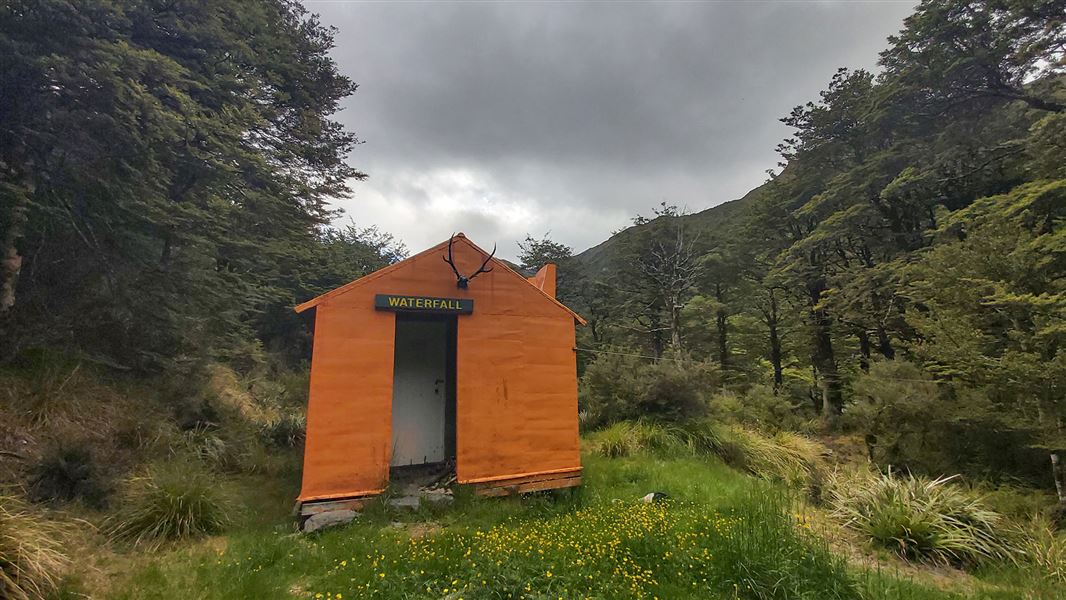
(462,281)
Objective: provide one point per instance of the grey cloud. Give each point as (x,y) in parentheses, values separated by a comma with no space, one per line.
(590,111)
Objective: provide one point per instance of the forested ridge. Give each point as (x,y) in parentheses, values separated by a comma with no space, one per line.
(911,238)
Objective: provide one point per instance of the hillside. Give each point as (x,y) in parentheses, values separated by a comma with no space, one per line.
(710,223)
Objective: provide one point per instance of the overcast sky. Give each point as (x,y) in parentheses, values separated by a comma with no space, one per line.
(502,119)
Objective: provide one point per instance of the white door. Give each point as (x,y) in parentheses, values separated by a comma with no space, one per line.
(418,392)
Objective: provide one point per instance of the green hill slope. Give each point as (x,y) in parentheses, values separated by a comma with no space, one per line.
(711,224)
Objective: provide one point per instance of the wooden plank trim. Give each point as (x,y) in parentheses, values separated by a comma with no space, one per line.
(343,495)
(530,486)
(523,480)
(313,508)
(501,479)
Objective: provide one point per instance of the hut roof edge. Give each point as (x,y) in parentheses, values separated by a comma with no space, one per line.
(386,270)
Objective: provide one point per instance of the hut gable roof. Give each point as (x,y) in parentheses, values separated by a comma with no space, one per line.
(439,248)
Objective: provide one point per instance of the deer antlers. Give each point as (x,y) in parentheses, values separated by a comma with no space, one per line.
(460,280)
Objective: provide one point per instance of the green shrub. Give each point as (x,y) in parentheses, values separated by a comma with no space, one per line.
(168,503)
(67,471)
(676,389)
(921,518)
(725,407)
(898,407)
(617,387)
(610,388)
(31,559)
(760,407)
(1013,502)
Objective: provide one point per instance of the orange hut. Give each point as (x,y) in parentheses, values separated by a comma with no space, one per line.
(449,357)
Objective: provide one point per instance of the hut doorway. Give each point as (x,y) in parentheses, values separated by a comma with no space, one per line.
(423,390)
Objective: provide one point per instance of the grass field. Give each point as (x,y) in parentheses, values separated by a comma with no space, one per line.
(721,535)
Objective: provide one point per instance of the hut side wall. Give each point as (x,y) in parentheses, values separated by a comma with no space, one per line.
(517,396)
(516,379)
(349,412)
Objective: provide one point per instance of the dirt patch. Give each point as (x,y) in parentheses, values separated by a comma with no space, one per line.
(845,449)
(420,529)
(855,549)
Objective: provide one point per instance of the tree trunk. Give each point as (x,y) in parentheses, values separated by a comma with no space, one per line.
(822,353)
(168,248)
(721,323)
(775,342)
(884,344)
(657,345)
(675,325)
(10,259)
(864,350)
(1058,473)
(657,342)
(828,410)
(816,390)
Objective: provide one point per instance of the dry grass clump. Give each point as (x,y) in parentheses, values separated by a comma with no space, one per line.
(74,428)
(287,431)
(234,423)
(627,438)
(262,407)
(232,395)
(1045,549)
(922,518)
(170,502)
(783,456)
(31,559)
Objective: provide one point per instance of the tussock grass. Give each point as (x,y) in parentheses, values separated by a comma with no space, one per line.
(169,502)
(1045,549)
(230,450)
(253,413)
(628,438)
(921,518)
(210,448)
(783,456)
(32,562)
(288,430)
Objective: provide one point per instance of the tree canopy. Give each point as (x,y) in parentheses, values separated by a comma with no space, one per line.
(165,170)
